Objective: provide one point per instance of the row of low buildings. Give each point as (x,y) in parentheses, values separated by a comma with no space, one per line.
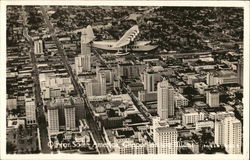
(21,107)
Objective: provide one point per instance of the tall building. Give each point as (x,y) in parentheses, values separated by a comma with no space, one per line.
(240,72)
(53,119)
(233,135)
(30,110)
(213,98)
(82,63)
(109,75)
(97,86)
(166,140)
(62,115)
(93,88)
(85,48)
(228,132)
(38,47)
(88,87)
(102,80)
(157,122)
(165,100)
(211,80)
(149,81)
(70,120)
(218,132)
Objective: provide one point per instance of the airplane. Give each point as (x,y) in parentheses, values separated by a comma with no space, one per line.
(125,43)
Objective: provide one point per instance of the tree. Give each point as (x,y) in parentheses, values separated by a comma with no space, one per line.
(60,137)
(10,147)
(239,96)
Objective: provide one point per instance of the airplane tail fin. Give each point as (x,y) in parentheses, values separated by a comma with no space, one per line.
(90,32)
(87,35)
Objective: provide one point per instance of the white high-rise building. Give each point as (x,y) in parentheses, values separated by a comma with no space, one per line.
(85,48)
(70,119)
(53,119)
(89,89)
(157,122)
(30,110)
(218,133)
(82,63)
(97,86)
(149,81)
(38,47)
(108,74)
(228,132)
(166,140)
(213,98)
(233,135)
(165,100)
(211,80)
(102,80)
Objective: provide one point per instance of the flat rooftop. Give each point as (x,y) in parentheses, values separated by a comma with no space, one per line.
(166,129)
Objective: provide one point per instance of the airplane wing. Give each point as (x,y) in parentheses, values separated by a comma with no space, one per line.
(127,37)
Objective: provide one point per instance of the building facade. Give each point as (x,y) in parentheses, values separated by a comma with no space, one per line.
(149,82)
(180,100)
(38,47)
(166,140)
(30,110)
(82,63)
(192,117)
(211,80)
(85,48)
(228,132)
(70,121)
(213,98)
(165,100)
(53,120)
(102,80)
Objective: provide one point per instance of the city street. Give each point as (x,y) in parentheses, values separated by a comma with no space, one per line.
(93,126)
(40,112)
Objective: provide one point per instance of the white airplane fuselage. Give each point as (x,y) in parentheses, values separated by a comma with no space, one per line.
(137,46)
